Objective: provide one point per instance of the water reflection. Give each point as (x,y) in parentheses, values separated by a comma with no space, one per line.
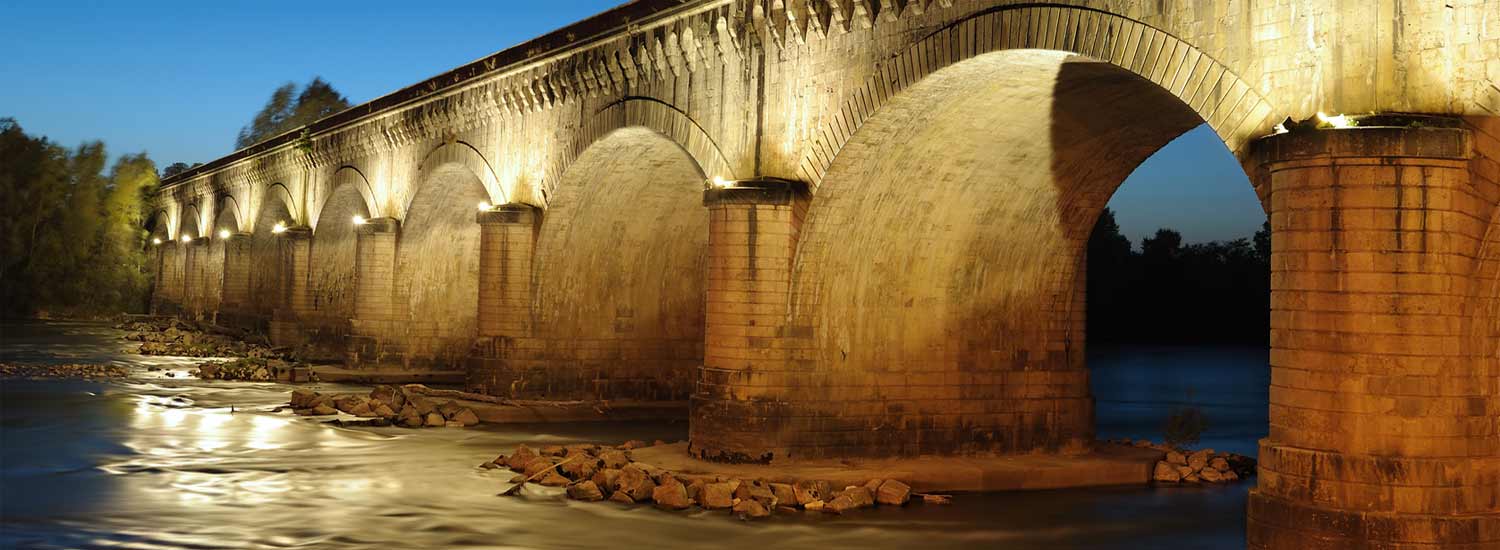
(170,463)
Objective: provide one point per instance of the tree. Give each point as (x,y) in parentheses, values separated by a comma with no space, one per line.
(178,168)
(288,109)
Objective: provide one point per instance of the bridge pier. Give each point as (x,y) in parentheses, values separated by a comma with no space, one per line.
(507,244)
(1383,420)
(737,408)
(234,302)
(293,251)
(377,319)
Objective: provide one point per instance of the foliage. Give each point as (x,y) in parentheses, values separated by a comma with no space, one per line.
(288,109)
(1184,426)
(70,235)
(178,168)
(1170,293)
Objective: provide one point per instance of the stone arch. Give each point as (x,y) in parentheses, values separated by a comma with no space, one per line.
(159,225)
(346,176)
(459,153)
(265,284)
(332,276)
(231,211)
(644,112)
(437,259)
(1232,107)
(191,223)
(618,275)
(280,192)
(937,288)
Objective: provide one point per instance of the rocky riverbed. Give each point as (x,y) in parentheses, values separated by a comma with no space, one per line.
(70,370)
(591,472)
(405,406)
(1186,466)
(168,336)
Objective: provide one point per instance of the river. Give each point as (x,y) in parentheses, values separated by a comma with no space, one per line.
(158,462)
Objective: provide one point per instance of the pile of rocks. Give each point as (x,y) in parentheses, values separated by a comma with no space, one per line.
(161,336)
(85,371)
(594,473)
(255,369)
(1202,466)
(386,406)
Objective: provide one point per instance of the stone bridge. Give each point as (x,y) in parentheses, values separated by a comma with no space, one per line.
(857,227)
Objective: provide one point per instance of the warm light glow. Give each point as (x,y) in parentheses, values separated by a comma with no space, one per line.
(278,228)
(1337,121)
(484,206)
(223,233)
(358,220)
(187,239)
(156,241)
(721,183)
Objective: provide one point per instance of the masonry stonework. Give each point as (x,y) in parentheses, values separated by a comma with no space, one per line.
(919,293)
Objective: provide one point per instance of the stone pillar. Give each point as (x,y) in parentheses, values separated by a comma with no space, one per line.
(294,251)
(192,276)
(161,292)
(236,291)
(1383,433)
(507,240)
(376,315)
(753,228)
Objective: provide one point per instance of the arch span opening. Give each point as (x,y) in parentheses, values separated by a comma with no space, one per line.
(437,267)
(937,299)
(331,271)
(618,275)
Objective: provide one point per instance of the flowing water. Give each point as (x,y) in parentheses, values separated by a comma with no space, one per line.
(166,462)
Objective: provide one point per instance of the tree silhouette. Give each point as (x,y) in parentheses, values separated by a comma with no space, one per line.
(289,109)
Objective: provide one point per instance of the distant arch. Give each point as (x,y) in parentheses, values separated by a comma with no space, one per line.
(191,215)
(346,175)
(231,207)
(279,191)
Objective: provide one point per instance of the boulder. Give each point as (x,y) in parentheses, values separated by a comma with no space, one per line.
(1191,478)
(421,404)
(554,479)
(695,490)
(1231,476)
(449,408)
(607,480)
(1211,475)
(851,499)
(585,491)
(785,495)
(750,509)
(1218,463)
(873,485)
(362,410)
(1184,471)
(635,482)
(409,418)
(717,496)
(389,395)
(324,410)
(756,490)
(434,420)
(301,399)
(1198,459)
(1166,472)
(347,403)
(1175,458)
(671,496)
(893,493)
(466,417)
(808,491)
(614,459)
(553,450)
(813,505)
(580,468)
(519,459)
(537,465)
(937,499)
(383,410)
(632,444)
(621,497)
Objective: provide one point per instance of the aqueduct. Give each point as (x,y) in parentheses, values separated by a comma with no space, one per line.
(857,227)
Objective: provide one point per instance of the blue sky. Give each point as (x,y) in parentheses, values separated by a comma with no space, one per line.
(179,79)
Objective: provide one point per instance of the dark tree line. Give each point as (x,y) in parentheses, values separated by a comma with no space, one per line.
(1171,293)
(290,108)
(71,237)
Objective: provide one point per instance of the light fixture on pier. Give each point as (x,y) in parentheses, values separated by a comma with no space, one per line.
(279,228)
(484,206)
(1336,121)
(720,182)
(358,220)
(223,233)
(156,240)
(187,239)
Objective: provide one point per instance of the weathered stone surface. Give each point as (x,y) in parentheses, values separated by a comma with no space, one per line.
(851,499)
(937,499)
(519,459)
(466,417)
(717,496)
(434,420)
(614,459)
(636,483)
(751,509)
(323,410)
(390,395)
(808,491)
(785,494)
(553,479)
(1166,472)
(757,491)
(621,497)
(1176,458)
(1211,475)
(538,465)
(1199,459)
(1218,463)
(302,399)
(607,479)
(671,496)
(893,493)
(586,491)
